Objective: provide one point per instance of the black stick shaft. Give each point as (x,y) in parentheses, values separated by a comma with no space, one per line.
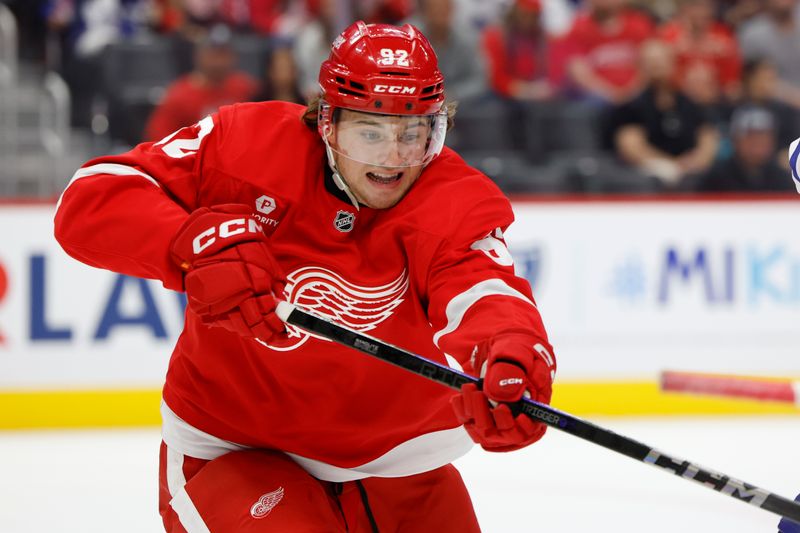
(544,413)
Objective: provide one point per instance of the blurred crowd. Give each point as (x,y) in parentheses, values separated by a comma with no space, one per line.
(680,95)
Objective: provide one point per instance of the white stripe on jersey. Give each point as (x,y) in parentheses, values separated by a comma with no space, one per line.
(106,168)
(794,162)
(420,454)
(188,440)
(460,304)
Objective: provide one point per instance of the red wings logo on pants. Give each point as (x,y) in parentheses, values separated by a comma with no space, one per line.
(327,294)
(266,503)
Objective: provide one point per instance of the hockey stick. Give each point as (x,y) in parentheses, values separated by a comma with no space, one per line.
(542,413)
(768,390)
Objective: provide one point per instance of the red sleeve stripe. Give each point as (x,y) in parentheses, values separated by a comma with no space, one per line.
(460,304)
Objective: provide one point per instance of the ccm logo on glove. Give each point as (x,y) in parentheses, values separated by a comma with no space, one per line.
(227,229)
(512,366)
(231,277)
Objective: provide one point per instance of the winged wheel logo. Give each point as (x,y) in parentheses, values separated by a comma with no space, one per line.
(329,295)
(266,503)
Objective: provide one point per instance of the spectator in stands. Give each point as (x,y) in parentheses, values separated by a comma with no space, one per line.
(280,76)
(90,25)
(753,166)
(460,57)
(86,28)
(659,11)
(759,84)
(662,132)
(706,53)
(385,11)
(775,35)
(604,42)
(169,15)
(312,45)
(328,18)
(556,15)
(736,12)
(258,15)
(194,19)
(519,55)
(214,82)
(267,17)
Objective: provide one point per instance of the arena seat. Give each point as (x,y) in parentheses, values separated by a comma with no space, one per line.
(253,52)
(513,173)
(481,125)
(135,76)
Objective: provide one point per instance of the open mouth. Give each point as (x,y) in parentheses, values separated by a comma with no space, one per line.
(384,179)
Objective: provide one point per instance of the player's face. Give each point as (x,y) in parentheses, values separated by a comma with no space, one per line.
(380,156)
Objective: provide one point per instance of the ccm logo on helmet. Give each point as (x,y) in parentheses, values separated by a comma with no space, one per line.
(394,89)
(511,381)
(227,229)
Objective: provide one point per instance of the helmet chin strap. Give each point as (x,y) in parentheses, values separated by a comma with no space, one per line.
(337,177)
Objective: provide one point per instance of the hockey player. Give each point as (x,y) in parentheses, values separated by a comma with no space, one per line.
(353,209)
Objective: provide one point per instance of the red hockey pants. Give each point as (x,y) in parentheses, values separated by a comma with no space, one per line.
(265,491)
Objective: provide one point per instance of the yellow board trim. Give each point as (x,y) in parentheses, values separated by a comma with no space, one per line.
(644,398)
(79,409)
(135,408)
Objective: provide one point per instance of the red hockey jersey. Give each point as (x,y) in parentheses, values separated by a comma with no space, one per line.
(431,274)
(611,52)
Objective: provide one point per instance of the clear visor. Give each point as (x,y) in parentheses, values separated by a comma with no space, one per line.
(384,140)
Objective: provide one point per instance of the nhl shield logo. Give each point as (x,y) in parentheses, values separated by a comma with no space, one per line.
(344,221)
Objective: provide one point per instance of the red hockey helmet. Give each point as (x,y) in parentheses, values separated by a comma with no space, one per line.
(379,68)
(384,70)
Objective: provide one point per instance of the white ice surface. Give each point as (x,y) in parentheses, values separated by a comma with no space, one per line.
(106,481)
